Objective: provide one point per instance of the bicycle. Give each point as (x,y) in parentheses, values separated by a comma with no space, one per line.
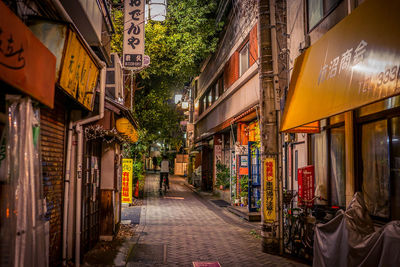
(299,224)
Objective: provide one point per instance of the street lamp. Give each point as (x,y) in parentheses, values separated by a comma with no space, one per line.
(156,10)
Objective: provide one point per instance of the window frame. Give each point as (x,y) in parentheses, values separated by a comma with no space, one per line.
(325,13)
(386,115)
(246,47)
(311,157)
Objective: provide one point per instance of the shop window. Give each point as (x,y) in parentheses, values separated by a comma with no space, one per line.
(375,164)
(337,159)
(318,9)
(319,156)
(244,59)
(395,168)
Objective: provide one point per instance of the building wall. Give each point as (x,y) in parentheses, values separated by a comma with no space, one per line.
(245,97)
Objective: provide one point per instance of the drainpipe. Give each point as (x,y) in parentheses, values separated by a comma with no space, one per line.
(66,193)
(79,130)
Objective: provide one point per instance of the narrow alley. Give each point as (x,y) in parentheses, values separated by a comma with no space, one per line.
(182,227)
(276,121)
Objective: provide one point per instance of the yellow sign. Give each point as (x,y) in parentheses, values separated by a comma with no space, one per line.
(126,128)
(269,190)
(356,63)
(79,73)
(126,190)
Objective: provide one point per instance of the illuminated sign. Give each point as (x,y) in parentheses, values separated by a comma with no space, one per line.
(79,73)
(269,190)
(126,190)
(355,63)
(25,63)
(133,47)
(126,128)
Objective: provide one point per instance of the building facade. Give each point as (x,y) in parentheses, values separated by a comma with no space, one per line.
(226,97)
(76,198)
(340,117)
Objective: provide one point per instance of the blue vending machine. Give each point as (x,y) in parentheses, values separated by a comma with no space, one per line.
(254,176)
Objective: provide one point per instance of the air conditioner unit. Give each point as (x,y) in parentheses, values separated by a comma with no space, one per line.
(114,79)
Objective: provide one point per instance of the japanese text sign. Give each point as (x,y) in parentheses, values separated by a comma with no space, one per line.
(355,63)
(133,48)
(306,186)
(269,190)
(25,63)
(79,74)
(126,191)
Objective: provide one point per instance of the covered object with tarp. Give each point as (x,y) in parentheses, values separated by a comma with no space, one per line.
(351,240)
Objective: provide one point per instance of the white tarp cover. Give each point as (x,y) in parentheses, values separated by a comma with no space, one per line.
(350,239)
(23,231)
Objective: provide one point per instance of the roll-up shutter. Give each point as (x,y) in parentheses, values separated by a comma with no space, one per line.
(52,148)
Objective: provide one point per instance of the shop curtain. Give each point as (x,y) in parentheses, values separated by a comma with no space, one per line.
(23,230)
(375,159)
(338,167)
(320,154)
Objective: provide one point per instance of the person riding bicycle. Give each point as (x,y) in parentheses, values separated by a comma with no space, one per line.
(164,171)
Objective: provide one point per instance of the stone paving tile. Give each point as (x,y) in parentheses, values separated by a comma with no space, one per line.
(192,231)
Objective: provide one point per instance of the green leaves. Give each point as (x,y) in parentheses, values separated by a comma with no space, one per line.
(176,46)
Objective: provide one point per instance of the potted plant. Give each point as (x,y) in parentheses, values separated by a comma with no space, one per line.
(223,174)
(244,186)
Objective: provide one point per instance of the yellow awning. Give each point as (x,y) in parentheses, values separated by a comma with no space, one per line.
(354,64)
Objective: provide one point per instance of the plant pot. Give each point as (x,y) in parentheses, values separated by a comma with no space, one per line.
(243,200)
(221,187)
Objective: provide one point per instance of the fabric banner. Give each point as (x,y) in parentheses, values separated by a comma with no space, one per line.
(126,192)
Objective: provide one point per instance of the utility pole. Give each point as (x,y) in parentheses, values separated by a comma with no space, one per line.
(271,186)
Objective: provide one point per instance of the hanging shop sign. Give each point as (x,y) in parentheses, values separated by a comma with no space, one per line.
(305,178)
(133,47)
(127,174)
(126,128)
(356,63)
(25,63)
(79,73)
(269,190)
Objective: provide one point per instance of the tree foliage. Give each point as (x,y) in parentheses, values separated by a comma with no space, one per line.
(176,46)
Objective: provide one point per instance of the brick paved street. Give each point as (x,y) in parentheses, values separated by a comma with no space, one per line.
(181,227)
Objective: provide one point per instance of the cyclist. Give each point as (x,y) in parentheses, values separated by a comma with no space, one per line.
(164,171)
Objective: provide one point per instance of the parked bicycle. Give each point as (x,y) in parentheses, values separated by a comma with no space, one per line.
(299,224)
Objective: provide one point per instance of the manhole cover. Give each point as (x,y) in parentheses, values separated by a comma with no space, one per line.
(220,203)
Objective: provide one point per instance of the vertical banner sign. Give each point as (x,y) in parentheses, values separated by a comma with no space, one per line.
(306,185)
(269,190)
(133,47)
(126,192)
